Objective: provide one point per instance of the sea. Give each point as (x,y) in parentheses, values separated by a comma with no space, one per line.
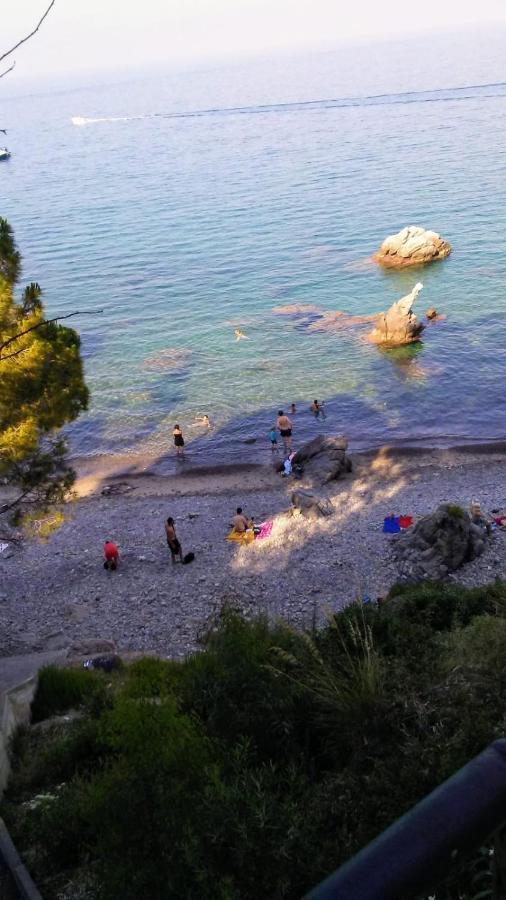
(171,208)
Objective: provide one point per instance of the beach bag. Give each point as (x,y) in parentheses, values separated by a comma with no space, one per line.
(188,558)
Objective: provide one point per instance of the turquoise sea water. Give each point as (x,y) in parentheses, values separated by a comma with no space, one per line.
(198,202)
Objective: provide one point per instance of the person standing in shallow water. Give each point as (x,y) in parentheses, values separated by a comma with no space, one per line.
(285,429)
(178,440)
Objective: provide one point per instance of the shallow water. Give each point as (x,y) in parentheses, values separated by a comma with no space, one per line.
(184,226)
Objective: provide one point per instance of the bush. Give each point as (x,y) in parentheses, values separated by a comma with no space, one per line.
(59,690)
(254,768)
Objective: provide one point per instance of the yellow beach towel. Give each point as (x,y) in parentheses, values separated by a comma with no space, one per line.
(241,537)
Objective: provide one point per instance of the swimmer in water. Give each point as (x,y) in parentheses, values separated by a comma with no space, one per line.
(203,420)
(239,335)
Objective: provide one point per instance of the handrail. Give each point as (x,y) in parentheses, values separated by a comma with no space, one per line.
(415,853)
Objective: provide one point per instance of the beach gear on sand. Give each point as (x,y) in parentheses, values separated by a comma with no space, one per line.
(265,529)
(393,524)
(259,533)
(405,521)
(241,537)
(188,558)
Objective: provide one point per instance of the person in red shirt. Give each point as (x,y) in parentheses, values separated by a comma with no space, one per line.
(111,554)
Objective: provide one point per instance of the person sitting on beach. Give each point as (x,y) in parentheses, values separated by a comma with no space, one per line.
(284,425)
(111,554)
(173,542)
(178,440)
(478,517)
(273,435)
(240,523)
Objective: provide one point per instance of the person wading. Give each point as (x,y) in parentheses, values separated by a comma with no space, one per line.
(284,425)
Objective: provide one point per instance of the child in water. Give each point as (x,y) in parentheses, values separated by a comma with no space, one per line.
(273,435)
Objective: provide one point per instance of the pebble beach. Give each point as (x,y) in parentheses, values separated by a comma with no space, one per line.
(55,592)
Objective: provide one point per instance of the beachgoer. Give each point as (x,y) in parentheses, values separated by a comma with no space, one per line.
(287,466)
(478,517)
(240,523)
(285,429)
(273,435)
(293,409)
(203,420)
(240,336)
(315,409)
(178,440)
(173,542)
(111,554)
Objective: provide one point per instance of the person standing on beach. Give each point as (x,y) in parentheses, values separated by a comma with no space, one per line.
(178,440)
(284,425)
(173,542)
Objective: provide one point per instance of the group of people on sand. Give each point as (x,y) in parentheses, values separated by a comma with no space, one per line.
(240,524)
(111,550)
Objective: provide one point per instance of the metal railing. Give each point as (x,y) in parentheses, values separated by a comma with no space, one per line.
(413,855)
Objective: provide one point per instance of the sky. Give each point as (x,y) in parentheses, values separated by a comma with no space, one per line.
(99,35)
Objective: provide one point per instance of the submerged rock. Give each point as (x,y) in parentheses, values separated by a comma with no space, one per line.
(399,324)
(439,543)
(413,246)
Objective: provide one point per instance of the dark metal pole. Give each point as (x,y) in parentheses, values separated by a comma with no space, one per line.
(416,852)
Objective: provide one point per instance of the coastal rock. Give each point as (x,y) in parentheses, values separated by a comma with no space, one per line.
(310,505)
(413,246)
(399,325)
(323,459)
(171,359)
(439,543)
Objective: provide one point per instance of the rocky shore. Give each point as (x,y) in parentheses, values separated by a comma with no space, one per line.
(56,592)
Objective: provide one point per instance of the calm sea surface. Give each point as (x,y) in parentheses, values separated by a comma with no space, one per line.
(190,204)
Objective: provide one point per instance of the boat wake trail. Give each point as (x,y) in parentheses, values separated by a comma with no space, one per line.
(440,95)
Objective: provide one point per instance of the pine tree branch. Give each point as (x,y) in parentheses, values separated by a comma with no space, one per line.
(28,36)
(6,73)
(20,334)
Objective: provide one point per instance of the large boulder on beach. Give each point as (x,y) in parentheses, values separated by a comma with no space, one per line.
(323,459)
(399,325)
(439,543)
(413,246)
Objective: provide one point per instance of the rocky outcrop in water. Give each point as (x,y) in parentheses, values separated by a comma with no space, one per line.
(323,459)
(438,544)
(413,246)
(399,325)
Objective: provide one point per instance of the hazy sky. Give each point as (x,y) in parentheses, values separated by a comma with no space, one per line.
(127,34)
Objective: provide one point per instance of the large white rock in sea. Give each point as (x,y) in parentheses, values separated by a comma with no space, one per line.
(413,246)
(399,325)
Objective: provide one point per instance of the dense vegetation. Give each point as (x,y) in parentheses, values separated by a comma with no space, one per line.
(41,387)
(257,766)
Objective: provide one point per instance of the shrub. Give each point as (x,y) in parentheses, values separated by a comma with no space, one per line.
(61,689)
(257,766)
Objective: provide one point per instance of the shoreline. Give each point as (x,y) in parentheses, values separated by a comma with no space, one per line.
(143,471)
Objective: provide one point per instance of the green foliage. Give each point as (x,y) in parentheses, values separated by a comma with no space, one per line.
(456,511)
(254,768)
(41,387)
(61,689)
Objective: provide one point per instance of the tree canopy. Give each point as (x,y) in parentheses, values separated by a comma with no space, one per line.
(41,386)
